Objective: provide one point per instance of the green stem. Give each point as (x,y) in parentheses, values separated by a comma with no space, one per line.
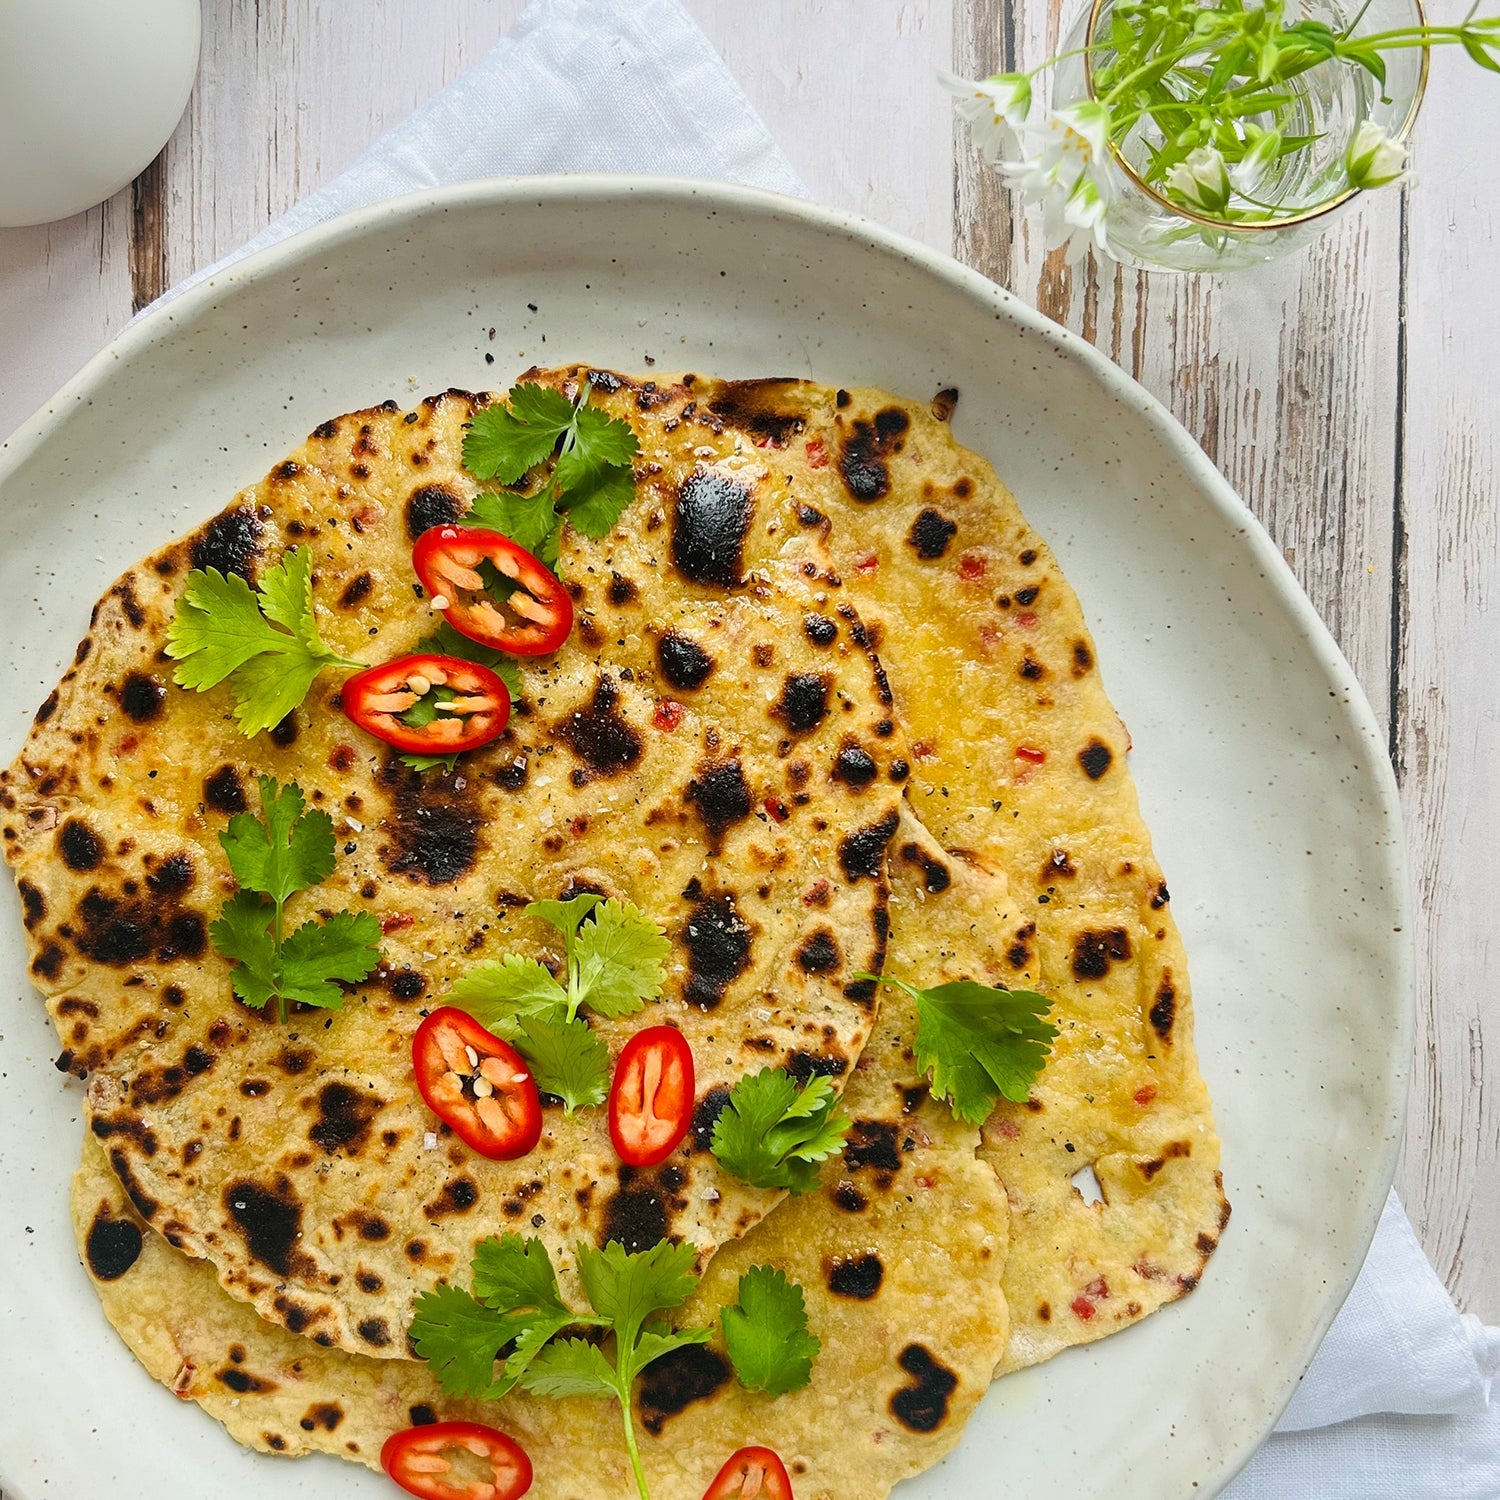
(630,1447)
(276,938)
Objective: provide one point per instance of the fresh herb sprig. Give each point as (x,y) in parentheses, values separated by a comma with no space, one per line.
(264,644)
(591,483)
(772,1133)
(978,1044)
(287,850)
(616,960)
(766,1333)
(515,1307)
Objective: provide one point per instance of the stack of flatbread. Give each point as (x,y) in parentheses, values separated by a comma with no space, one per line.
(893,751)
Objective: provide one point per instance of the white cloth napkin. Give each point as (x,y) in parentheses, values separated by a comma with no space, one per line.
(1397,1405)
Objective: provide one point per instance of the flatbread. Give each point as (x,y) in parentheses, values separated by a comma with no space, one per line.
(1018,756)
(300,1159)
(905,1211)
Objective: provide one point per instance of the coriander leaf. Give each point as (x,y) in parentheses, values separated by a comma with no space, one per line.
(608,441)
(564,915)
(978,1043)
(503,442)
(528,520)
(653,1343)
(419,763)
(286,850)
(571,1367)
(498,993)
(221,631)
(621,959)
(772,1134)
(625,1289)
(242,934)
(566,1059)
(459,1337)
(291,850)
(217,628)
(766,1333)
(514,1272)
(592,480)
(595,507)
(346,946)
(269,687)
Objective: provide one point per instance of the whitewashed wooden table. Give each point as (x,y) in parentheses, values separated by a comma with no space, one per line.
(1349,395)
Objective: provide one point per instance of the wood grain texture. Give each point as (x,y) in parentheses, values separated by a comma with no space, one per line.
(1447,725)
(1368,452)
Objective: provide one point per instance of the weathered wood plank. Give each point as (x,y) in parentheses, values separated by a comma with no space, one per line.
(64,291)
(1447,739)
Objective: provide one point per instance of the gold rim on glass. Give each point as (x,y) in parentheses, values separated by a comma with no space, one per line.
(1242,226)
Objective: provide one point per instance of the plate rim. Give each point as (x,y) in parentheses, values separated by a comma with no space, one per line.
(178,310)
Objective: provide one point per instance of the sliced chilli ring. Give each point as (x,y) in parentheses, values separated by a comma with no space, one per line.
(448,560)
(416,1459)
(428,705)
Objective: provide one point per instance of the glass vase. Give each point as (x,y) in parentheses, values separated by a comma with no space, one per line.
(1306,189)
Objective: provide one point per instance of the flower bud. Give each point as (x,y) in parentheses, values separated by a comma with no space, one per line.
(1374,159)
(1201,182)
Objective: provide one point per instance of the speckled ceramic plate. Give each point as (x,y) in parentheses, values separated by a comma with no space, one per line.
(1261,771)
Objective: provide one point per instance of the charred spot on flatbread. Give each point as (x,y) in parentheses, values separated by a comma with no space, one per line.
(672,1383)
(231,543)
(431,505)
(269,1217)
(113,1245)
(710,522)
(433,825)
(599,735)
(922,1405)
(684,663)
(142,696)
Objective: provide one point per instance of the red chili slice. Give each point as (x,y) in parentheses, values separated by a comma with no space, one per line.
(478,1084)
(420,1460)
(752,1474)
(464,705)
(535,618)
(651,1100)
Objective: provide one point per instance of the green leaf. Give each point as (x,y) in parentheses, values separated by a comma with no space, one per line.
(265,646)
(217,627)
(503,442)
(564,915)
(1476,50)
(513,1273)
(269,687)
(592,480)
(608,441)
(766,1333)
(566,1059)
(979,1044)
(459,1337)
(291,850)
(528,520)
(498,993)
(345,947)
(621,959)
(288,849)
(596,506)
(242,934)
(626,1289)
(573,1367)
(772,1134)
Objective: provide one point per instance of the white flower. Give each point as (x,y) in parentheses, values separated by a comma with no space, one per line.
(1069,177)
(1374,159)
(995,110)
(1202,181)
(1247,172)
(1083,219)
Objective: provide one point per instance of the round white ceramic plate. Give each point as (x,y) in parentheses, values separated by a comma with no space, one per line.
(1261,770)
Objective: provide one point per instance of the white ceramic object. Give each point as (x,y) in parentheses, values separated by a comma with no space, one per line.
(90,91)
(1261,770)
